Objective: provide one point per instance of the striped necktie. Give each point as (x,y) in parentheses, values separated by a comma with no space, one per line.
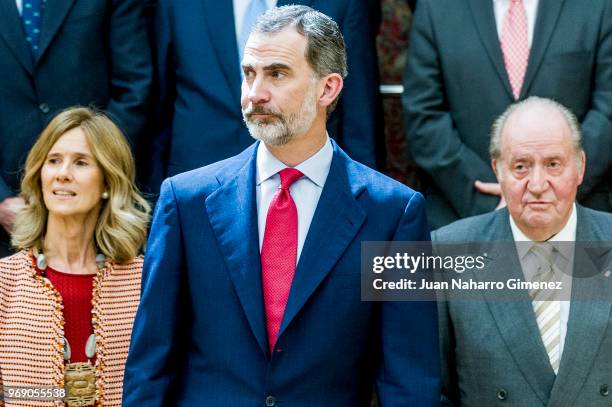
(546,305)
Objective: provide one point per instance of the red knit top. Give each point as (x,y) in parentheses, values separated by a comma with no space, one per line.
(76,291)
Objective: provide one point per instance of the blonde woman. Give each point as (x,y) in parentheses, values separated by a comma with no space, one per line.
(68,297)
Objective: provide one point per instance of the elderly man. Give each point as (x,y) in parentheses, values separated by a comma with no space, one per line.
(251,286)
(530,352)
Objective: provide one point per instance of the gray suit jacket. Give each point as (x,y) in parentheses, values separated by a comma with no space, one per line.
(456,85)
(491,350)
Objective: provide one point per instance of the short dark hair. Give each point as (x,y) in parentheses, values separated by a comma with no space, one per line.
(325,50)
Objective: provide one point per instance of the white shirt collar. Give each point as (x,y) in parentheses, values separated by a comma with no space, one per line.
(315,168)
(567,234)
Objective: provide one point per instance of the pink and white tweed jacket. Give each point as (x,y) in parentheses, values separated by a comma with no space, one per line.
(31,328)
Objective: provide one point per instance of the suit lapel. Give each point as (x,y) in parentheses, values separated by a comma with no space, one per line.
(515,319)
(221,29)
(12,32)
(54,15)
(484,19)
(335,223)
(546,21)
(232,211)
(588,319)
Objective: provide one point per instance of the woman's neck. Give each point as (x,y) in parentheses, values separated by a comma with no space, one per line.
(69,245)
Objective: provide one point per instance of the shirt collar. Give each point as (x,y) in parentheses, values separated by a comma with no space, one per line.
(315,168)
(566,234)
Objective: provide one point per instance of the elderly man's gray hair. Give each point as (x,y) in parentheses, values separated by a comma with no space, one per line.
(498,125)
(325,50)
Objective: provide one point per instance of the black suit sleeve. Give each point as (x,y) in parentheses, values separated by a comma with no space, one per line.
(164,93)
(597,124)
(432,136)
(5,191)
(359,111)
(131,67)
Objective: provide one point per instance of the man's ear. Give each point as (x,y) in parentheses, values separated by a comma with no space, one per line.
(495,164)
(332,86)
(582,166)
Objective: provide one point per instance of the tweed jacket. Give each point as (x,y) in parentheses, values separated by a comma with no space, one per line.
(31,327)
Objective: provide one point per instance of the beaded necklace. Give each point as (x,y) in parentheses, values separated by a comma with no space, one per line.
(79,377)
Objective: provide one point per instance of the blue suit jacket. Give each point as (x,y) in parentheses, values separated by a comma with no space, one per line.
(200,332)
(199,86)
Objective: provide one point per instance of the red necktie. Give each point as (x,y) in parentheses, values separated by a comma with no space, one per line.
(515,45)
(279,253)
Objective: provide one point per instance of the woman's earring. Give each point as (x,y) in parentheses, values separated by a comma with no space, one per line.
(105,195)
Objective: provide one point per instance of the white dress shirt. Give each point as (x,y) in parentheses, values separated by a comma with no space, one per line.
(500,8)
(240,7)
(19,5)
(567,234)
(305,192)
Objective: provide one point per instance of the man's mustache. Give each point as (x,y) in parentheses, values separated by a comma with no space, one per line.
(260,110)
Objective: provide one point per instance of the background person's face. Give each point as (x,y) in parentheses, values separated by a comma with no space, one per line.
(279,90)
(539,172)
(72,181)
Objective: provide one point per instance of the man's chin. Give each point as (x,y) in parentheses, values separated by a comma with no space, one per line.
(264,133)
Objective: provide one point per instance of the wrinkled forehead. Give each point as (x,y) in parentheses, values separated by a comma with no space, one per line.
(538,130)
(285,47)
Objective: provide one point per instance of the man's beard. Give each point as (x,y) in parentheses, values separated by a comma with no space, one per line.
(281,128)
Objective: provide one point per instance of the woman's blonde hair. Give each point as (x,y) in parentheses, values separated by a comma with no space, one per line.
(122,224)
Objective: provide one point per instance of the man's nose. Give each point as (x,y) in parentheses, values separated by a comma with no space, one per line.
(258,92)
(538,180)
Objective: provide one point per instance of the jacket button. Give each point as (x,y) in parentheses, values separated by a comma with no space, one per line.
(44,108)
(502,394)
(603,390)
(270,401)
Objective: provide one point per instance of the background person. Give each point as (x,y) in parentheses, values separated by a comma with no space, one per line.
(468,60)
(56,54)
(70,294)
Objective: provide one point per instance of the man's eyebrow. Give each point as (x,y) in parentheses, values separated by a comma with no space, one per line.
(277,66)
(272,67)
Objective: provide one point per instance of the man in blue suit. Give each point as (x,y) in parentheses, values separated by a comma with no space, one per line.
(198,46)
(251,286)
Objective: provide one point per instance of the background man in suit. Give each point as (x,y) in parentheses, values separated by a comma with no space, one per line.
(529,352)
(55,54)
(252,283)
(469,59)
(199,47)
